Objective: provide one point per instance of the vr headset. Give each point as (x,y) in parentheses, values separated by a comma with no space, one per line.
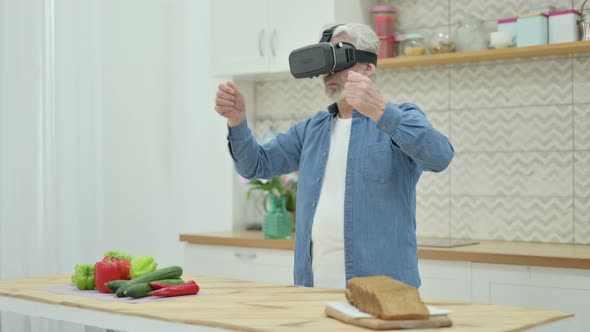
(324,58)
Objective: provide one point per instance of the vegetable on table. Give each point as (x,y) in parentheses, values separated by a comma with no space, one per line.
(118,255)
(171,272)
(188,288)
(123,264)
(165,283)
(138,291)
(142,265)
(142,289)
(84,276)
(110,269)
(115,284)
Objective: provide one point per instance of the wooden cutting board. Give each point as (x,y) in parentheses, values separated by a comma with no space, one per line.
(380,324)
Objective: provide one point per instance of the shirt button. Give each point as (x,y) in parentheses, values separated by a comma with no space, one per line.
(313,204)
(325,154)
(383,127)
(318,180)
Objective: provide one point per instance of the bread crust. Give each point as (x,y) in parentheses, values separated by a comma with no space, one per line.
(386,298)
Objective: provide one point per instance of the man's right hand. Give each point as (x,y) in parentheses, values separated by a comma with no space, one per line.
(230,104)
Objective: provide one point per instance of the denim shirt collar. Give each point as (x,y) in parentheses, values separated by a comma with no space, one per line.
(333,110)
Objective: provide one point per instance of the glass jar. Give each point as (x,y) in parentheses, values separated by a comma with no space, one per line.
(585,28)
(441,43)
(414,45)
(471,35)
(277,221)
(399,41)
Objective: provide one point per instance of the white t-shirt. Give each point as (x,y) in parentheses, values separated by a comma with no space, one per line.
(327,234)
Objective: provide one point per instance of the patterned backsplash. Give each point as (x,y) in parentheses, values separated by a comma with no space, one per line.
(520,128)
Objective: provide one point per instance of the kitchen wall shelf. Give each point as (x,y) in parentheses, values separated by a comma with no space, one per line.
(485,55)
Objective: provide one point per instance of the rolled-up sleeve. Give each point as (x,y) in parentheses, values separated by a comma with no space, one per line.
(279,156)
(409,129)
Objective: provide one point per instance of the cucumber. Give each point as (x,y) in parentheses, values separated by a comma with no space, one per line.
(141,290)
(176,281)
(115,284)
(171,272)
(138,291)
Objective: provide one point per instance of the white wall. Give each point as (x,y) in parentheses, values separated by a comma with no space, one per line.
(121,137)
(49,137)
(136,90)
(166,168)
(202,169)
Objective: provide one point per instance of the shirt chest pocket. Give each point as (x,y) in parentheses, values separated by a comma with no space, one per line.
(380,162)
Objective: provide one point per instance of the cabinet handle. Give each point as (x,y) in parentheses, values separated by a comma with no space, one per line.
(273,38)
(260,40)
(241,255)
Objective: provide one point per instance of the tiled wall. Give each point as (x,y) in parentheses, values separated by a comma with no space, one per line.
(520,128)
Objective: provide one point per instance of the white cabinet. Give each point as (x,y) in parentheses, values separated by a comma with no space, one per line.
(252,264)
(445,280)
(256,36)
(535,287)
(559,289)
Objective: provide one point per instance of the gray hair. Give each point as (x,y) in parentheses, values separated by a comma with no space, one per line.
(363,37)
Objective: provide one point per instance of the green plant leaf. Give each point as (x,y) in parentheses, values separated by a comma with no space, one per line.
(255,181)
(274,187)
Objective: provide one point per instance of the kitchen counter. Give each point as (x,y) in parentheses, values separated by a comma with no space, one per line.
(575,256)
(238,305)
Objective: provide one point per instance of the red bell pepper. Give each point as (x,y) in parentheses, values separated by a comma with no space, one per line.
(188,288)
(110,269)
(123,264)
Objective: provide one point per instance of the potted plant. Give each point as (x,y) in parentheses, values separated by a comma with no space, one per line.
(279,202)
(279,186)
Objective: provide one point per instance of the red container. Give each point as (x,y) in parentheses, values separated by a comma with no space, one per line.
(386,48)
(383,20)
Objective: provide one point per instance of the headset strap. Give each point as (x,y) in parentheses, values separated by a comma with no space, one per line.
(327,34)
(361,56)
(364,56)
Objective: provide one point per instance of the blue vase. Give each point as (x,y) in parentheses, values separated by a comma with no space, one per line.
(277,221)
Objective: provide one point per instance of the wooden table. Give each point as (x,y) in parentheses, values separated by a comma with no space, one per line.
(237,305)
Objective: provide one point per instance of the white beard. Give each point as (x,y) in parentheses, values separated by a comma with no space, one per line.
(334,95)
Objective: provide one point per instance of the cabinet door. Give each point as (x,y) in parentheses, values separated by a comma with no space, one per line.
(445,280)
(252,264)
(238,39)
(295,24)
(565,290)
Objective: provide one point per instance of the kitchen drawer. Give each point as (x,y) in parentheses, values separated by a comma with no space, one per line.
(227,254)
(253,264)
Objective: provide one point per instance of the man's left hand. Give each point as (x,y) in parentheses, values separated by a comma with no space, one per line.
(361,93)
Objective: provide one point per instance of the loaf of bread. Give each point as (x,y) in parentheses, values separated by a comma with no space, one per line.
(386,298)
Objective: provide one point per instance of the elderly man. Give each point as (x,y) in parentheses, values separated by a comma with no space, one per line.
(359,162)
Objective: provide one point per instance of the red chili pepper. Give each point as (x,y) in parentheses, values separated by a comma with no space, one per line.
(158,285)
(188,288)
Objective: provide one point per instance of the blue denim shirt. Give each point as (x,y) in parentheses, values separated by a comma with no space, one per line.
(385,161)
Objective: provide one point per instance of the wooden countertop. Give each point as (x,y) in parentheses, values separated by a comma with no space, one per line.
(575,256)
(249,306)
